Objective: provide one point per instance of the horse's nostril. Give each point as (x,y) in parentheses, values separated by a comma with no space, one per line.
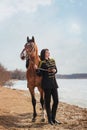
(23,57)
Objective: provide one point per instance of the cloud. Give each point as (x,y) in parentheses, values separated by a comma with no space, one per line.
(75,28)
(31,6)
(72,1)
(9,7)
(5,11)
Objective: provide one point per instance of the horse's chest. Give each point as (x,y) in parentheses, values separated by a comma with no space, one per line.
(33,79)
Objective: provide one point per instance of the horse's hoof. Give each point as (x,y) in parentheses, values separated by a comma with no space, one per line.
(43,120)
(33,119)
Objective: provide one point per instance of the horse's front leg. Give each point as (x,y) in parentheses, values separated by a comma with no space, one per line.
(43,108)
(42,103)
(34,108)
(33,103)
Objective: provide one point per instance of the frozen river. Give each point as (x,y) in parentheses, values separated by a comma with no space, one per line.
(73,91)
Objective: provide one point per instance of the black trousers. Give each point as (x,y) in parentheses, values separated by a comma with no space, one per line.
(51,111)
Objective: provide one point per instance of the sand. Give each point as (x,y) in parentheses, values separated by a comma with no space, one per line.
(16,113)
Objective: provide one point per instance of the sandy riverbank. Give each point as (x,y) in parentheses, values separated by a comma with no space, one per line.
(16,113)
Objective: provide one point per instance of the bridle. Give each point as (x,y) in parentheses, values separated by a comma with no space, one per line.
(27,51)
(30,47)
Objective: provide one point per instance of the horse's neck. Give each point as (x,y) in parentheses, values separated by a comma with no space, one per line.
(35,60)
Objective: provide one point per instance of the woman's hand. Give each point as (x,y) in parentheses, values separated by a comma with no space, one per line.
(53,70)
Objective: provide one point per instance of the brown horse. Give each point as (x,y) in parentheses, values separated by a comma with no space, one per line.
(33,80)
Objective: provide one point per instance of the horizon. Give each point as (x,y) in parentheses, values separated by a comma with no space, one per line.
(59,25)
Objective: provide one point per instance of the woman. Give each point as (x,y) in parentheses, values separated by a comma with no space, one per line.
(47,69)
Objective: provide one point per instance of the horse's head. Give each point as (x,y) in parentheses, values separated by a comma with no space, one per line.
(30,49)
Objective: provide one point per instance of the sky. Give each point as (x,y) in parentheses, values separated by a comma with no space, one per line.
(59,25)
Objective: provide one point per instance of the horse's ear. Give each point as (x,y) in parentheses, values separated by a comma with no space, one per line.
(33,39)
(27,39)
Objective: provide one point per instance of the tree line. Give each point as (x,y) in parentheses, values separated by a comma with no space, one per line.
(6,75)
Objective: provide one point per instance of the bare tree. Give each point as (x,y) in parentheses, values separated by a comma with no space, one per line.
(18,74)
(4,75)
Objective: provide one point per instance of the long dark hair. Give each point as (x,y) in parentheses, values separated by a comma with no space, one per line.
(42,54)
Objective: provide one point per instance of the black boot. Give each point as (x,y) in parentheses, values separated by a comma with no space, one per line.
(56,122)
(49,115)
(50,122)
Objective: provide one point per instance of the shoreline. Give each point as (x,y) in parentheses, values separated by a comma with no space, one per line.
(68,91)
(70,103)
(16,113)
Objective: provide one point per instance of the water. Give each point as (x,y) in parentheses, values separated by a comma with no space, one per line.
(72,91)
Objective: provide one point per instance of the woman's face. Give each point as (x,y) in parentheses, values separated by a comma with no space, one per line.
(47,54)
